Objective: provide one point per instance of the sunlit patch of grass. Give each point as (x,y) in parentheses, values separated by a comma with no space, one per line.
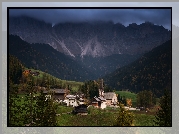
(144,120)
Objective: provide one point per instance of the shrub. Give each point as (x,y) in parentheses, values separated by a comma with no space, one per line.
(125,117)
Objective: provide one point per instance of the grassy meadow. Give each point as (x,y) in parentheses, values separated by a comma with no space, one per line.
(129,95)
(73,84)
(102,117)
(95,117)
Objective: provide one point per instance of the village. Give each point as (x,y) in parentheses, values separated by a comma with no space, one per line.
(105,99)
(92,104)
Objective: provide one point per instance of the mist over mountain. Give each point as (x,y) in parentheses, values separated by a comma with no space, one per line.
(96,39)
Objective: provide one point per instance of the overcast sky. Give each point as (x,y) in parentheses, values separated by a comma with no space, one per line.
(124,16)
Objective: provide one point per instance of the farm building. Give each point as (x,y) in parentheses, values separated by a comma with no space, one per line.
(58,94)
(71,100)
(99,102)
(81,109)
(81,101)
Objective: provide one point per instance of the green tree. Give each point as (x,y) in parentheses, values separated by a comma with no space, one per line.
(164,113)
(14,106)
(45,111)
(146,99)
(15,69)
(122,99)
(93,89)
(107,89)
(125,117)
(32,110)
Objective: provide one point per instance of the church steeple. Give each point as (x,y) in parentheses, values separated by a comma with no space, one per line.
(101,88)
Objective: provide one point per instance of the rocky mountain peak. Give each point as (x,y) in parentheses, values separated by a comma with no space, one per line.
(90,38)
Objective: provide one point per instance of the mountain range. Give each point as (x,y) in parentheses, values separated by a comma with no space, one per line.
(136,57)
(44,57)
(96,39)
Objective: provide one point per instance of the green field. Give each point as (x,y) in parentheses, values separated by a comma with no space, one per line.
(95,117)
(128,95)
(99,117)
(144,120)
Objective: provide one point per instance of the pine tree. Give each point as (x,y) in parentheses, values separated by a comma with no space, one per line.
(164,115)
(45,112)
(33,110)
(145,99)
(125,117)
(15,69)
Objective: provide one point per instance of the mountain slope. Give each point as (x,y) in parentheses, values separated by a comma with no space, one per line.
(45,58)
(96,39)
(104,65)
(151,72)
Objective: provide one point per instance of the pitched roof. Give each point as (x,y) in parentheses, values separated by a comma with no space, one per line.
(71,96)
(101,98)
(97,99)
(81,99)
(60,91)
(57,91)
(109,95)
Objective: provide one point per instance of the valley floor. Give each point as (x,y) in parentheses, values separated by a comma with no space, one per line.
(99,117)
(95,117)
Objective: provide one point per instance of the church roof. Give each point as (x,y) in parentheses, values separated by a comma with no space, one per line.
(109,95)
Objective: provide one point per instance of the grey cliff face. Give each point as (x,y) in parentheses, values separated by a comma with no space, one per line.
(96,39)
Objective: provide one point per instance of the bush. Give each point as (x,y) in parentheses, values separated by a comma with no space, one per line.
(125,117)
(31,111)
(164,114)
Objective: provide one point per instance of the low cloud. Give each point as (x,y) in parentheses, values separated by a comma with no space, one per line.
(124,16)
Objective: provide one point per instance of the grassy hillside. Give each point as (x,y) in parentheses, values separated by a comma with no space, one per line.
(16,70)
(72,84)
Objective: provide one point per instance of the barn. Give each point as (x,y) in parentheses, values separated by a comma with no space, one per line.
(58,94)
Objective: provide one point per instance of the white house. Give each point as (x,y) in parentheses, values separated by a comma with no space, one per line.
(80,101)
(103,105)
(71,100)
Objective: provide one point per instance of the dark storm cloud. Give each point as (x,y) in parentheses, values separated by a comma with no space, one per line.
(124,16)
